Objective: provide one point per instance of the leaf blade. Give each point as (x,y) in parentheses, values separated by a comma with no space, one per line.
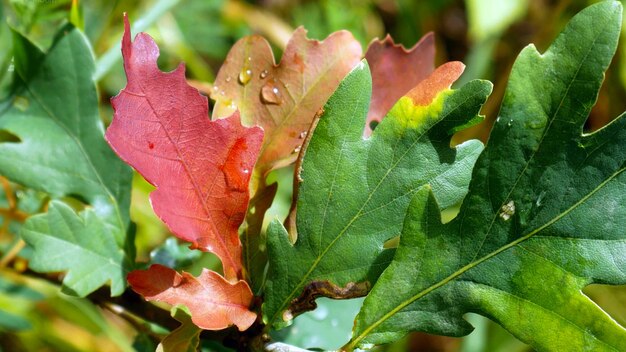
(58,148)
(542,192)
(349,184)
(395,71)
(161,127)
(214,303)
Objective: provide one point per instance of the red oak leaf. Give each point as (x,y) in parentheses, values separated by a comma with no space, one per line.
(395,71)
(214,303)
(201,168)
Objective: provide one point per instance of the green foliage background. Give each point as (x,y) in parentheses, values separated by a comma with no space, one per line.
(486,35)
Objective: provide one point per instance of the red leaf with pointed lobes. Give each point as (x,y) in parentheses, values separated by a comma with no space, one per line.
(201,168)
(395,71)
(214,303)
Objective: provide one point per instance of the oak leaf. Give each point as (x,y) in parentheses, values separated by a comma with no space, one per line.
(395,71)
(354,191)
(282,98)
(544,216)
(214,303)
(201,168)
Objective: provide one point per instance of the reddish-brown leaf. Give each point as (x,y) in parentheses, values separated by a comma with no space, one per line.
(444,76)
(395,71)
(283,98)
(201,168)
(214,303)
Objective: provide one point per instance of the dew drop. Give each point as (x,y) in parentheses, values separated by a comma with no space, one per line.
(270,94)
(263,74)
(303,134)
(228,79)
(245,75)
(297,149)
(249,58)
(235,167)
(232,105)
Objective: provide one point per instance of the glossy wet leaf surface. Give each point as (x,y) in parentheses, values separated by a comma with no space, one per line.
(543,218)
(354,191)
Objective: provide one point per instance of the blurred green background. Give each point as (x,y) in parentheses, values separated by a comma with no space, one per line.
(485,34)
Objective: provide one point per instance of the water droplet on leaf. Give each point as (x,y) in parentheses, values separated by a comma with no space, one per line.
(228,79)
(270,94)
(245,75)
(303,134)
(297,149)
(236,169)
(263,74)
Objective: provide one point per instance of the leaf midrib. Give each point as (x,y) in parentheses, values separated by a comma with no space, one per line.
(82,150)
(473,264)
(543,136)
(359,213)
(196,188)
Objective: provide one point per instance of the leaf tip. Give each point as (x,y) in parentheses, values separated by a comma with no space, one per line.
(442,79)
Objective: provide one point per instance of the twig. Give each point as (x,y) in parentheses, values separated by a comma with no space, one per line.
(12,253)
(8,191)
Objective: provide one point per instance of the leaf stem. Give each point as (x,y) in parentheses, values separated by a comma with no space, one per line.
(12,253)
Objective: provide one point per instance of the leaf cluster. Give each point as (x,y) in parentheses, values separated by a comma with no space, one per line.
(537,213)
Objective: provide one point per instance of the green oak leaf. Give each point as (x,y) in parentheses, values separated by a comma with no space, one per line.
(354,192)
(57,146)
(79,244)
(544,216)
